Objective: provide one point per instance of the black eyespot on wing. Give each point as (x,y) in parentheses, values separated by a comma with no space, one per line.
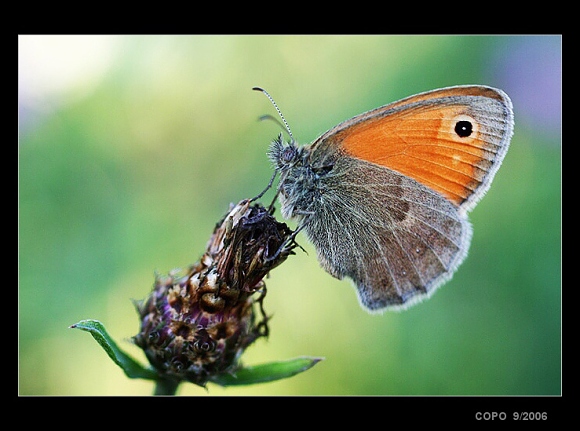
(463,128)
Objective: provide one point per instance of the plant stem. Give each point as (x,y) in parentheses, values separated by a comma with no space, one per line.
(166,387)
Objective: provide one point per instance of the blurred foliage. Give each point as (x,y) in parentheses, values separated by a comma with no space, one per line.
(126,163)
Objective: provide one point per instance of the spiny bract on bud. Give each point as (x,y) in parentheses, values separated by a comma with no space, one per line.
(196,326)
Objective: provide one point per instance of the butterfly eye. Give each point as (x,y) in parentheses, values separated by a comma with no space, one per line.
(288,154)
(463,128)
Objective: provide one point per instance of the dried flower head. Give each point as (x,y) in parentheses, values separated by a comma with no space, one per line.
(196,326)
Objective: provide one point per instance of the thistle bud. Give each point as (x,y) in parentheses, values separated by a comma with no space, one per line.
(196,325)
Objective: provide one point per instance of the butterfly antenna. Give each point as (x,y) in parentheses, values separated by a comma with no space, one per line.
(277,110)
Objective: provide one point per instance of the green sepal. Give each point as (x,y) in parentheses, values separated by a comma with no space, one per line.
(266,372)
(130,366)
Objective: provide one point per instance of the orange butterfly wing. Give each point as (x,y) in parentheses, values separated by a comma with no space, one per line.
(451,140)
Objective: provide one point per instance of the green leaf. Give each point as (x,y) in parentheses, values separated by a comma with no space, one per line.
(130,366)
(266,372)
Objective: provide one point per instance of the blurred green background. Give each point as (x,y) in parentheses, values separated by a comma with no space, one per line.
(132,147)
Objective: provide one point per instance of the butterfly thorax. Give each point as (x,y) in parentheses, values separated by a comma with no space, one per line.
(301,185)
